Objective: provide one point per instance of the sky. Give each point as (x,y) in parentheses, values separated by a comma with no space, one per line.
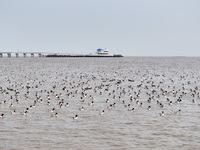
(128,27)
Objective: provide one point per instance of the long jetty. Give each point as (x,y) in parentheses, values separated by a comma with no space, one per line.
(42,54)
(24,54)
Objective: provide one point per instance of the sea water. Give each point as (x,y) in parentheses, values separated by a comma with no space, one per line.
(46,93)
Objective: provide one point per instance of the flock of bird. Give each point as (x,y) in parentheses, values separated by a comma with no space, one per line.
(20,94)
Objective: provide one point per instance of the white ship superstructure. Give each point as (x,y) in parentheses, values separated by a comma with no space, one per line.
(105,52)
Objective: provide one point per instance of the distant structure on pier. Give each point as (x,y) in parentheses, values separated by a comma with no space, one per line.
(99,53)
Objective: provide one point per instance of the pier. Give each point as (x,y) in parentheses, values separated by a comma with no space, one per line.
(42,54)
(23,54)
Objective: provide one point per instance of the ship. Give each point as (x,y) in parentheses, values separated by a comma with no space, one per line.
(101,51)
(104,53)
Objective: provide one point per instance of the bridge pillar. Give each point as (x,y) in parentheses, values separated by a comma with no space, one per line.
(1,55)
(32,54)
(25,55)
(9,54)
(17,55)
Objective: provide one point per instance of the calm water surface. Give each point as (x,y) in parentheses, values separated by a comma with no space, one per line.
(46,93)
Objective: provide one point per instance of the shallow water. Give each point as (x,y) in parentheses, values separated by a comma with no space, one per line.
(32,81)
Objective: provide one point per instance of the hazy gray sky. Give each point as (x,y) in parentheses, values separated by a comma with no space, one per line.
(129,27)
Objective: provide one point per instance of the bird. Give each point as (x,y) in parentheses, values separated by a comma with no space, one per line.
(102,112)
(81,109)
(110,106)
(91,103)
(162,113)
(11,105)
(2,116)
(177,112)
(149,108)
(25,112)
(67,104)
(53,110)
(132,109)
(13,112)
(75,117)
